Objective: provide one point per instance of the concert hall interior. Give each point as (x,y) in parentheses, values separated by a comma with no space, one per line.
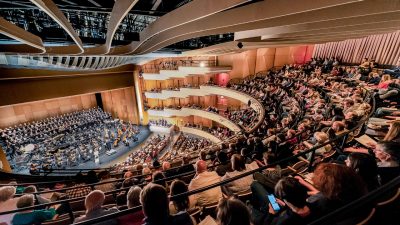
(209,112)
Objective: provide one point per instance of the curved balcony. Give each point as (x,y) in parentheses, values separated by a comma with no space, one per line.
(200,133)
(206,90)
(185,71)
(184,112)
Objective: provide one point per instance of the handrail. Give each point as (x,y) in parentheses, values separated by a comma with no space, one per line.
(218,183)
(356,204)
(210,147)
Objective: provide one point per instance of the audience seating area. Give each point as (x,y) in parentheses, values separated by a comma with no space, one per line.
(326,152)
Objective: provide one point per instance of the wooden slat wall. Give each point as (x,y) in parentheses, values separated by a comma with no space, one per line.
(384,48)
(121,103)
(20,113)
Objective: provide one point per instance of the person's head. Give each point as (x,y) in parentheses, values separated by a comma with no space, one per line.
(155,202)
(232,211)
(7,193)
(178,187)
(156,164)
(133,197)
(291,192)
(128,174)
(365,166)
(30,189)
(26,200)
(91,177)
(222,157)
(201,166)
(146,171)
(203,155)
(338,126)
(385,77)
(394,131)
(237,162)
(321,137)
(348,102)
(158,178)
(166,166)
(338,182)
(79,178)
(387,151)
(104,175)
(94,200)
(268,158)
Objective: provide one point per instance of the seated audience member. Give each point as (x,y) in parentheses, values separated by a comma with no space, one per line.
(79,190)
(121,197)
(395,72)
(94,208)
(180,204)
(333,186)
(38,198)
(7,203)
(133,200)
(104,176)
(204,178)
(270,176)
(238,167)
(224,164)
(232,211)
(28,217)
(365,166)
(388,156)
(291,197)
(394,132)
(155,207)
(320,138)
(158,178)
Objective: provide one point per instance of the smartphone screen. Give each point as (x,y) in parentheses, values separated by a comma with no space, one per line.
(273,202)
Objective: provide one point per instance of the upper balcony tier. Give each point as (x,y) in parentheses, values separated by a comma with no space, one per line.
(200,133)
(184,112)
(185,71)
(206,90)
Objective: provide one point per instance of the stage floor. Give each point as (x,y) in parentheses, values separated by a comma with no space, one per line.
(109,160)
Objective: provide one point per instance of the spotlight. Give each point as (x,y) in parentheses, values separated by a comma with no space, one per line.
(202,64)
(240,45)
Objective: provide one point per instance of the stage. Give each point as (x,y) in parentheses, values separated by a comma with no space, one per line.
(107,160)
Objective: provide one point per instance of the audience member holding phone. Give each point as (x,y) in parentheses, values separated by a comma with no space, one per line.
(288,207)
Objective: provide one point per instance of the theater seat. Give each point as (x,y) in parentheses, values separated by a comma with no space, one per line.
(209,210)
(59,221)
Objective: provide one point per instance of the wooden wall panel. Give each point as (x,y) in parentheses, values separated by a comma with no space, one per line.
(265,59)
(20,113)
(121,103)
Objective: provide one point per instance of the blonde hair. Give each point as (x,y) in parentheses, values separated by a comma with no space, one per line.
(393,132)
(94,200)
(321,137)
(6,193)
(25,201)
(384,78)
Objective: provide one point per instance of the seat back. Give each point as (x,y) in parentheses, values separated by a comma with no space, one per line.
(244,196)
(195,214)
(209,210)
(59,221)
(77,205)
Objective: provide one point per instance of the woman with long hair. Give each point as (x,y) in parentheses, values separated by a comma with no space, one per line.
(394,132)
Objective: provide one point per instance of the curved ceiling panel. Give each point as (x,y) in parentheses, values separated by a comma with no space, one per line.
(54,12)
(10,30)
(239,19)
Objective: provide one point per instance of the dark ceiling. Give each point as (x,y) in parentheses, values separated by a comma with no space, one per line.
(90,19)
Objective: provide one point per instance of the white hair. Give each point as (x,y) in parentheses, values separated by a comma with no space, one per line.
(6,193)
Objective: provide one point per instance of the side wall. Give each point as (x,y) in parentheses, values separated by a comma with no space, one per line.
(256,60)
(121,103)
(20,113)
